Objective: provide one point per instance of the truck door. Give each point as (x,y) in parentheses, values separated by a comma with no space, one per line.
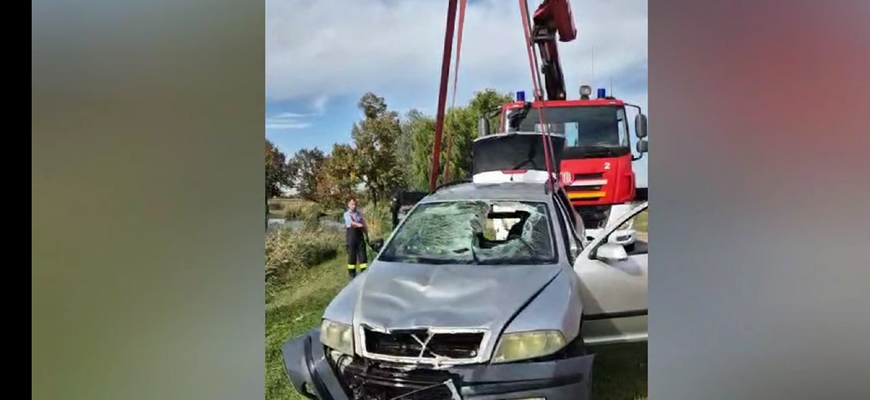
(614,286)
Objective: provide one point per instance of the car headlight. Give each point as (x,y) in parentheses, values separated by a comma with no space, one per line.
(337,336)
(526,345)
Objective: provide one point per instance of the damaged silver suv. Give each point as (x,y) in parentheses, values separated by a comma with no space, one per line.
(447,311)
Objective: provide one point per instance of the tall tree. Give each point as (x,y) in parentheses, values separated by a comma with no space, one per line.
(338,179)
(418,130)
(375,139)
(460,130)
(276,171)
(302,170)
(488,100)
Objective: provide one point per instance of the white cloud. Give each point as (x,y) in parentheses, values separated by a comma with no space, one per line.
(322,49)
(319,104)
(294,120)
(287,120)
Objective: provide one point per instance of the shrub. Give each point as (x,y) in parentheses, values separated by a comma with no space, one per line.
(379,220)
(288,251)
(298,210)
(311,211)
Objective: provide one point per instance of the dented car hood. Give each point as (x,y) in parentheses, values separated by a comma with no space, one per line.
(396,296)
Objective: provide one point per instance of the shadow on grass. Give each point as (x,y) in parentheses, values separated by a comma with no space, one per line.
(620,372)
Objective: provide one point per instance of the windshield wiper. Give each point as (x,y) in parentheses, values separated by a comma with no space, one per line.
(433,261)
(530,158)
(517,117)
(474,258)
(597,149)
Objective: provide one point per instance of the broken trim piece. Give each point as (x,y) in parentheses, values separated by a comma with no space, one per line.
(437,362)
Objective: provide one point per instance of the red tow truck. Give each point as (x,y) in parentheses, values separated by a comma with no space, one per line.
(596,166)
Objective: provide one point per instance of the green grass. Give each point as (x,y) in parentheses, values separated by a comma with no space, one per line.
(620,372)
(641,223)
(295,308)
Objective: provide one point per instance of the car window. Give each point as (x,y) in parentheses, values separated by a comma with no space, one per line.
(563,199)
(455,232)
(563,224)
(633,234)
(573,243)
(499,223)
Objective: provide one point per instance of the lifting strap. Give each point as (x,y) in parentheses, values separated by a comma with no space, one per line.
(524,14)
(461,25)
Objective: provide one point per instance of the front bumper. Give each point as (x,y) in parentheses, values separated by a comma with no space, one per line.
(312,375)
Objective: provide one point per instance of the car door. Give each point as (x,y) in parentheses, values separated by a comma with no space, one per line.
(614,291)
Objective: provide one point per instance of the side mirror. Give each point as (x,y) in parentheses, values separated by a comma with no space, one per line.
(642,146)
(377,244)
(640,126)
(611,252)
(621,237)
(483,126)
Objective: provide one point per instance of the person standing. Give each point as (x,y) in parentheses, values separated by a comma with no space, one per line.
(356,243)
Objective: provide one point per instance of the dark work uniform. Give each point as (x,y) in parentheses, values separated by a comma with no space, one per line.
(356,243)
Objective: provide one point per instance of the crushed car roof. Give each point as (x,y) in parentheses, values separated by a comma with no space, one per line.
(514,191)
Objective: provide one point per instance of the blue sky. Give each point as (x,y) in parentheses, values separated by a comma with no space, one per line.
(321,56)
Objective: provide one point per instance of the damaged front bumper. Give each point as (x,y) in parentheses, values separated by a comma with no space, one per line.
(313,375)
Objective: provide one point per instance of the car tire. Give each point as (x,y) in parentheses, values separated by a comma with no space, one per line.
(629,247)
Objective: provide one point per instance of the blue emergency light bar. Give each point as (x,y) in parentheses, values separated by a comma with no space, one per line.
(521,97)
(602,93)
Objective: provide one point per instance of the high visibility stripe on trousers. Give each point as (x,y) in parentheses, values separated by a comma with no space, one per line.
(362,267)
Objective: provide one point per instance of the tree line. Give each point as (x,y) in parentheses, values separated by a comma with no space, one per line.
(388,152)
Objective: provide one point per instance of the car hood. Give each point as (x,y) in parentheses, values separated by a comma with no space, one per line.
(398,296)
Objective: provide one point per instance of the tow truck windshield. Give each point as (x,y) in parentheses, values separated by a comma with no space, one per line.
(599,131)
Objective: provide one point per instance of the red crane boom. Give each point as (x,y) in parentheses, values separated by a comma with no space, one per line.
(551,18)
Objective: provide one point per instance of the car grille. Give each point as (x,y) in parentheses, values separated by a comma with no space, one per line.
(367,380)
(580,189)
(408,344)
(586,187)
(599,175)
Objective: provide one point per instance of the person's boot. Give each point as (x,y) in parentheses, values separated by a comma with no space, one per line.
(351,271)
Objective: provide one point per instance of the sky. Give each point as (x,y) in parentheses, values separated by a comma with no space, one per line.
(322,56)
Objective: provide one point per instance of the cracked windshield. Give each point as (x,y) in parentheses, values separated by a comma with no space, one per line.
(474,232)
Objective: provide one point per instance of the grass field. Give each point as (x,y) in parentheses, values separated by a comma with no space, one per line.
(641,223)
(296,307)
